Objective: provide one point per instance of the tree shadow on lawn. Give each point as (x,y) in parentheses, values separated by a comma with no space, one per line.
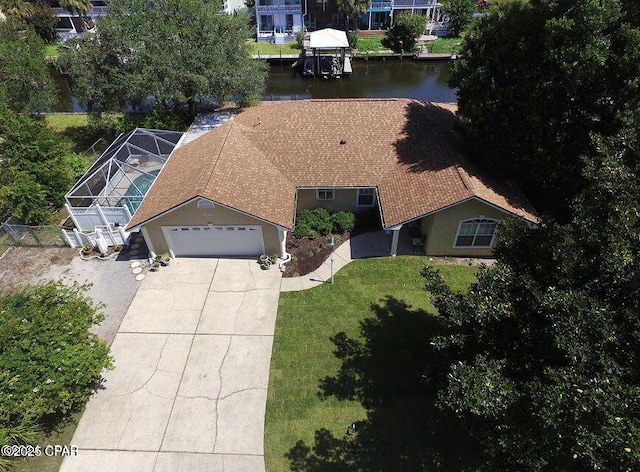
(396,374)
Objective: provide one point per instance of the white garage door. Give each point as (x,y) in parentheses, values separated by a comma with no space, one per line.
(215,241)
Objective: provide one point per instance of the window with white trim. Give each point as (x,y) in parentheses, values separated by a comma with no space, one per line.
(366,197)
(476,232)
(325,194)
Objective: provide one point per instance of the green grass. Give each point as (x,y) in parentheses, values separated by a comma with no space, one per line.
(303,353)
(52,50)
(444,45)
(61,122)
(61,436)
(374,46)
(75,128)
(272,49)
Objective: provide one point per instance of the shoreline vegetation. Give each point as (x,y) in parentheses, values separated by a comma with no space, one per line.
(367,48)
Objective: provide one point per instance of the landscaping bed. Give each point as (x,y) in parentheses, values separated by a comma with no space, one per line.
(309,254)
(310,244)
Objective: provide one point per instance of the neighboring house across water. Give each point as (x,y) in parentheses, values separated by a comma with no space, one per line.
(236,190)
(70,24)
(283,19)
(278,20)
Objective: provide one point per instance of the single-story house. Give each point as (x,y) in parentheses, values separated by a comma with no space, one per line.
(236,190)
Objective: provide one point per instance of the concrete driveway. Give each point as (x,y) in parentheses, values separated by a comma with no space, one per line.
(189,388)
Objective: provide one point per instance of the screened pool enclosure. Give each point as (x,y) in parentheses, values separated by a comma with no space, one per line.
(113,188)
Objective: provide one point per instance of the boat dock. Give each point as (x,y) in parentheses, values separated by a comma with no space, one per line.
(433,56)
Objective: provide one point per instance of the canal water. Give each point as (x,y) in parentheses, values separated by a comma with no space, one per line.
(422,80)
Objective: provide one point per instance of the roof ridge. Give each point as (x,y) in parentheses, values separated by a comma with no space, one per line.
(358,99)
(261,154)
(468,185)
(205,188)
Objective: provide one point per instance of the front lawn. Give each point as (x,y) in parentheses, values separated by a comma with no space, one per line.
(320,383)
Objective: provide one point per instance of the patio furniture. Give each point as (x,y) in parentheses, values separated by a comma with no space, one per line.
(417,239)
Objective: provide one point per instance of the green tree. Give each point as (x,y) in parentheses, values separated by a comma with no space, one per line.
(406,27)
(353,9)
(460,14)
(44,21)
(175,52)
(81,7)
(24,72)
(36,167)
(536,78)
(545,369)
(20,10)
(49,361)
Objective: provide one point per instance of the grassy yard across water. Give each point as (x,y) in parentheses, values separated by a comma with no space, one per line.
(321,381)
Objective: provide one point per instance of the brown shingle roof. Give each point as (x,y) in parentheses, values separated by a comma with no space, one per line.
(255,162)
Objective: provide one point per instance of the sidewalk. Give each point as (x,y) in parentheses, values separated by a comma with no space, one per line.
(374,244)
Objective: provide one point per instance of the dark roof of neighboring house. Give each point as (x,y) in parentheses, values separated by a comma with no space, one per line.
(254,163)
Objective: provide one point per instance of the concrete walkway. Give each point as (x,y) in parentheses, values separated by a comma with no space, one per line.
(373,244)
(189,388)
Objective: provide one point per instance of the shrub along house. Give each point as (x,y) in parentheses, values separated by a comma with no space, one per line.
(236,190)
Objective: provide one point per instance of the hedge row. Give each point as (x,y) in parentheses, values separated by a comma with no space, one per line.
(319,222)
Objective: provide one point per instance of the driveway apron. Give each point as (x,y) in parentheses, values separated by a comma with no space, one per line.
(189,387)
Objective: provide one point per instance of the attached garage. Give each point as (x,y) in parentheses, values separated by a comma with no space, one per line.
(215,241)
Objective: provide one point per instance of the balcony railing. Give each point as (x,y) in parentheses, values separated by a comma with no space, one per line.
(280,8)
(95,11)
(381,5)
(414,3)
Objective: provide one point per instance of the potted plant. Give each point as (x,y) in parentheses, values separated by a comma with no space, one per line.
(267,261)
(265,264)
(155,265)
(87,249)
(165,261)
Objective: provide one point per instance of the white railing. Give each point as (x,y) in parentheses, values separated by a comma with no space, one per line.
(89,218)
(103,236)
(414,4)
(280,8)
(95,11)
(381,5)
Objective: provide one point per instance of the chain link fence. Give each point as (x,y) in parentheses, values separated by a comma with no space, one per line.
(14,233)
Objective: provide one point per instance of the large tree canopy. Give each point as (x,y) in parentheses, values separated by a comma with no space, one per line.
(536,78)
(460,13)
(405,30)
(24,74)
(37,167)
(175,51)
(545,364)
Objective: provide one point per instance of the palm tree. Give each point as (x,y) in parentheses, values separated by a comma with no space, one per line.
(19,9)
(82,7)
(353,9)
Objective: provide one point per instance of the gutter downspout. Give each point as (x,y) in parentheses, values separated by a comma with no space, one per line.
(284,255)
